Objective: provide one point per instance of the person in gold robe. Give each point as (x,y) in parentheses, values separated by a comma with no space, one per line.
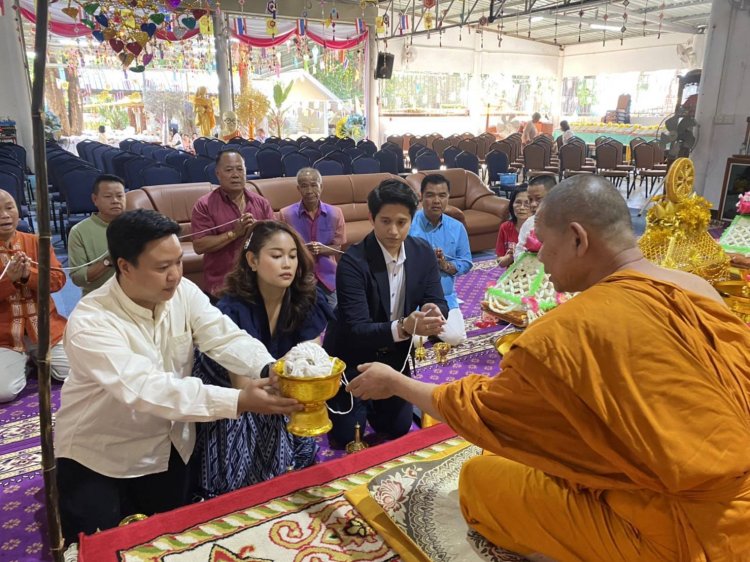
(618,429)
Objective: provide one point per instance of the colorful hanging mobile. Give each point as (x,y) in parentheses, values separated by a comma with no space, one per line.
(128,28)
(624,28)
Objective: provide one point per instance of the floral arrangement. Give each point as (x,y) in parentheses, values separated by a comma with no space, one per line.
(52,126)
(743,205)
(352,126)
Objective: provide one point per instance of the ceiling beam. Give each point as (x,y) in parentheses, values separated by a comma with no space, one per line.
(685,4)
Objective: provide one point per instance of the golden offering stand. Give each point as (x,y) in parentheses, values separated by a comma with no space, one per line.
(420,353)
(356,445)
(442,350)
(676,235)
(312,392)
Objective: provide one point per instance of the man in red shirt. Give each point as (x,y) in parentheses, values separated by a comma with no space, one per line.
(231,203)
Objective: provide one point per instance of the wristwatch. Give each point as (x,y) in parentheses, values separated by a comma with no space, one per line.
(401,326)
(230,234)
(107,262)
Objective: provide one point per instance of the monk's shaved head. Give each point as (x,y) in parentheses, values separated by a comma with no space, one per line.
(594,203)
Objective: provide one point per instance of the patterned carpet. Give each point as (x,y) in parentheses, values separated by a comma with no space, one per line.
(23,517)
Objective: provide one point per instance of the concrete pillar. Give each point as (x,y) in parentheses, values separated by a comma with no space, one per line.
(15,93)
(223,71)
(723,101)
(372,88)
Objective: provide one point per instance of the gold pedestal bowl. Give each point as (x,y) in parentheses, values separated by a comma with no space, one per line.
(737,296)
(312,392)
(505,341)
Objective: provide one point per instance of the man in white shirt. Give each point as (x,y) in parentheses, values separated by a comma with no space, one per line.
(529,131)
(538,189)
(124,430)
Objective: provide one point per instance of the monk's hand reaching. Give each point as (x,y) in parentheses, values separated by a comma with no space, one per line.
(376,381)
(258,396)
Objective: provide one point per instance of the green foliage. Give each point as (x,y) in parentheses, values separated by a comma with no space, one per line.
(280,93)
(345,83)
(276,115)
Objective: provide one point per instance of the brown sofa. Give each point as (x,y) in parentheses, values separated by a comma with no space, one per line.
(474,204)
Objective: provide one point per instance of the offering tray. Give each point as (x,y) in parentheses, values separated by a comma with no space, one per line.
(523,293)
(737,296)
(736,238)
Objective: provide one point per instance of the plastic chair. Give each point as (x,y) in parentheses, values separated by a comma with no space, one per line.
(160,174)
(248,154)
(368,147)
(497,163)
(293,162)
(388,161)
(269,163)
(194,169)
(329,167)
(427,160)
(343,158)
(176,160)
(449,156)
(365,165)
(468,161)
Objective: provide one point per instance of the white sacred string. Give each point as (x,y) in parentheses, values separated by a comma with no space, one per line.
(105,254)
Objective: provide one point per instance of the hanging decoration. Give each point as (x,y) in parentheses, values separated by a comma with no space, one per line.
(271,10)
(644,22)
(500,28)
(403,23)
(580,24)
(428,22)
(556,14)
(333,18)
(482,23)
(604,27)
(624,28)
(661,19)
(128,28)
(429,4)
(380,25)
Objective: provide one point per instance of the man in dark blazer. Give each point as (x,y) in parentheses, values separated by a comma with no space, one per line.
(388,290)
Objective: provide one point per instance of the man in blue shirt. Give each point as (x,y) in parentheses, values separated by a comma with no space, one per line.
(449,239)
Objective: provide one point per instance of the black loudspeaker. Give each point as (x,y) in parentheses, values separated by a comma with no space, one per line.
(384,68)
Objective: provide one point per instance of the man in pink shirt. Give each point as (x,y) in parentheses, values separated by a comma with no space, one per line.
(231,203)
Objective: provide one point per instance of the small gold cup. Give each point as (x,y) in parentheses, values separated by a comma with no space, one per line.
(442,350)
(737,296)
(312,392)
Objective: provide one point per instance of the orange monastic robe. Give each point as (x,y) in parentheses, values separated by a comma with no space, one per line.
(619,429)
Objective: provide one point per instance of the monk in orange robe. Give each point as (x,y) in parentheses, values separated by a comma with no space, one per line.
(619,427)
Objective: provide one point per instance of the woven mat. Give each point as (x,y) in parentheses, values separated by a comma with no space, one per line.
(414,506)
(298,516)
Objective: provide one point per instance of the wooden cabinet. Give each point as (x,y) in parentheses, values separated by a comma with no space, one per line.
(736,182)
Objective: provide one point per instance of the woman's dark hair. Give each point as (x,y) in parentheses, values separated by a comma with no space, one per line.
(513,217)
(299,299)
(129,233)
(392,192)
(564,126)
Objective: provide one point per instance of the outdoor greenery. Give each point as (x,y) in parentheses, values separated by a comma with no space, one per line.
(276,116)
(113,116)
(344,79)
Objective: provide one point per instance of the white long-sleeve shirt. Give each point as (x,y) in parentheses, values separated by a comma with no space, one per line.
(129,394)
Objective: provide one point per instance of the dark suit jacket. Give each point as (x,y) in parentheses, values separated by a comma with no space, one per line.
(362,331)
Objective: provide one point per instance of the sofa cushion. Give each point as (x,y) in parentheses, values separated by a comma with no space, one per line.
(479,222)
(279,192)
(177,202)
(356,231)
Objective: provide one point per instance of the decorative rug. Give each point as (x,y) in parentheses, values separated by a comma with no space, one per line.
(300,516)
(414,506)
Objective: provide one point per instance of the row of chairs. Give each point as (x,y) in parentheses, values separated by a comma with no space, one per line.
(14,180)
(465,142)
